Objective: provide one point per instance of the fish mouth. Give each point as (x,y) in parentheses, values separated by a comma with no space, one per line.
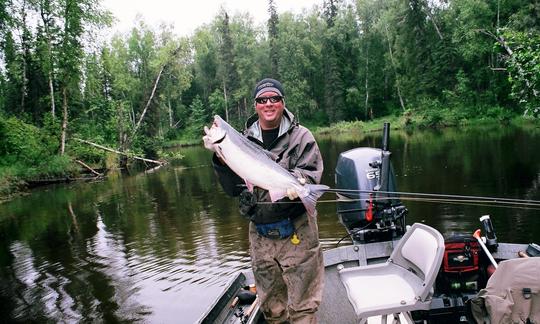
(219,140)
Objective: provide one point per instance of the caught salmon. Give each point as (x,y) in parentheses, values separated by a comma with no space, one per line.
(257,166)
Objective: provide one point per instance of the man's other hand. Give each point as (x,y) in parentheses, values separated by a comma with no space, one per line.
(292,193)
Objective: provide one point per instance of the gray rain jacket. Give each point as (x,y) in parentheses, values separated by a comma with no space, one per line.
(297,151)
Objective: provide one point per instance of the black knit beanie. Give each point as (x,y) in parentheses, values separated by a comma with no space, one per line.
(268,85)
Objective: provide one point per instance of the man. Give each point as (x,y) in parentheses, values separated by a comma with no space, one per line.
(285,252)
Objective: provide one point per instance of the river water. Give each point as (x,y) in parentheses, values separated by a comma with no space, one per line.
(159,247)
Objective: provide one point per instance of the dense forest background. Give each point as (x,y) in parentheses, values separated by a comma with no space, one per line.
(61,84)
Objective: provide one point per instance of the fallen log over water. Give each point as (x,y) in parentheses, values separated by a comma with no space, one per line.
(47,181)
(119,152)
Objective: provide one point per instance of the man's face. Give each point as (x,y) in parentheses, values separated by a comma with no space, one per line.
(269,106)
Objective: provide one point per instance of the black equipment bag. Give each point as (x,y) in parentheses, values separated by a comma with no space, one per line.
(460,270)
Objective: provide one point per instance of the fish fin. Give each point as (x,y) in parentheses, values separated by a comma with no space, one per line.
(249,185)
(276,195)
(310,200)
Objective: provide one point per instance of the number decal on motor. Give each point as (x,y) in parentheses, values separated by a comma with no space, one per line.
(372,174)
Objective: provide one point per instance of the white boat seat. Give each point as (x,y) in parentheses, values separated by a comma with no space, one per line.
(402,284)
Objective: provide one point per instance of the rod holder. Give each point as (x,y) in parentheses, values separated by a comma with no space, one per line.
(491,238)
(384,165)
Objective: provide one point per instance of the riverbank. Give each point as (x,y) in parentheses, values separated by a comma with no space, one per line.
(440,119)
(17,179)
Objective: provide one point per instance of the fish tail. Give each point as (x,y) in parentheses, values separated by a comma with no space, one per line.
(310,200)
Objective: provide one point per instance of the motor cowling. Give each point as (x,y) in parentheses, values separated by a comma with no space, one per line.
(369,213)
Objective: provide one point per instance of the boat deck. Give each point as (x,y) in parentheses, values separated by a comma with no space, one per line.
(335,306)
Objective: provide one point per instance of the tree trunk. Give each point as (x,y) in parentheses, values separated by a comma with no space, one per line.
(132,117)
(24,82)
(246,112)
(170,113)
(26,51)
(172,124)
(239,112)
(46,24)
(226,103)
(122,137)
(366,85)
(434,23)
(51,91)
(147,104)
(64,120)
(395,70)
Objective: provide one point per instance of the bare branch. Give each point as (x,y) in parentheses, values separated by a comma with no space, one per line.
(89,168)
(118,152)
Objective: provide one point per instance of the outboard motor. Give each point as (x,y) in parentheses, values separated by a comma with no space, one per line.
(367,206)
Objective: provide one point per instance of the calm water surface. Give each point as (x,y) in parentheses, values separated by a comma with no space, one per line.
(159,247)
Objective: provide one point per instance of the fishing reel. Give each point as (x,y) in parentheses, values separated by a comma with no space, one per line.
(387,224)
(393,215)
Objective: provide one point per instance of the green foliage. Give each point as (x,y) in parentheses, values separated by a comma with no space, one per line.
(461,96)
(273,38)
(171,156)
(498,113)
(10,183)
(217,103)
(29,152)
(341,62)
(524,69)
(2,93)
(198,118)
(21,142)
(53,166)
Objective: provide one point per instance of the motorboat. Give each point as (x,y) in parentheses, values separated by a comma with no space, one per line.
(392,271)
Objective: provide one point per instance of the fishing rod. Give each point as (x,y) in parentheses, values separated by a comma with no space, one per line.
(481,201)
(446,197)
(438,201)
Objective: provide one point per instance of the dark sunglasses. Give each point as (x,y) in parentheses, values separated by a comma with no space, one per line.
(273,99)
